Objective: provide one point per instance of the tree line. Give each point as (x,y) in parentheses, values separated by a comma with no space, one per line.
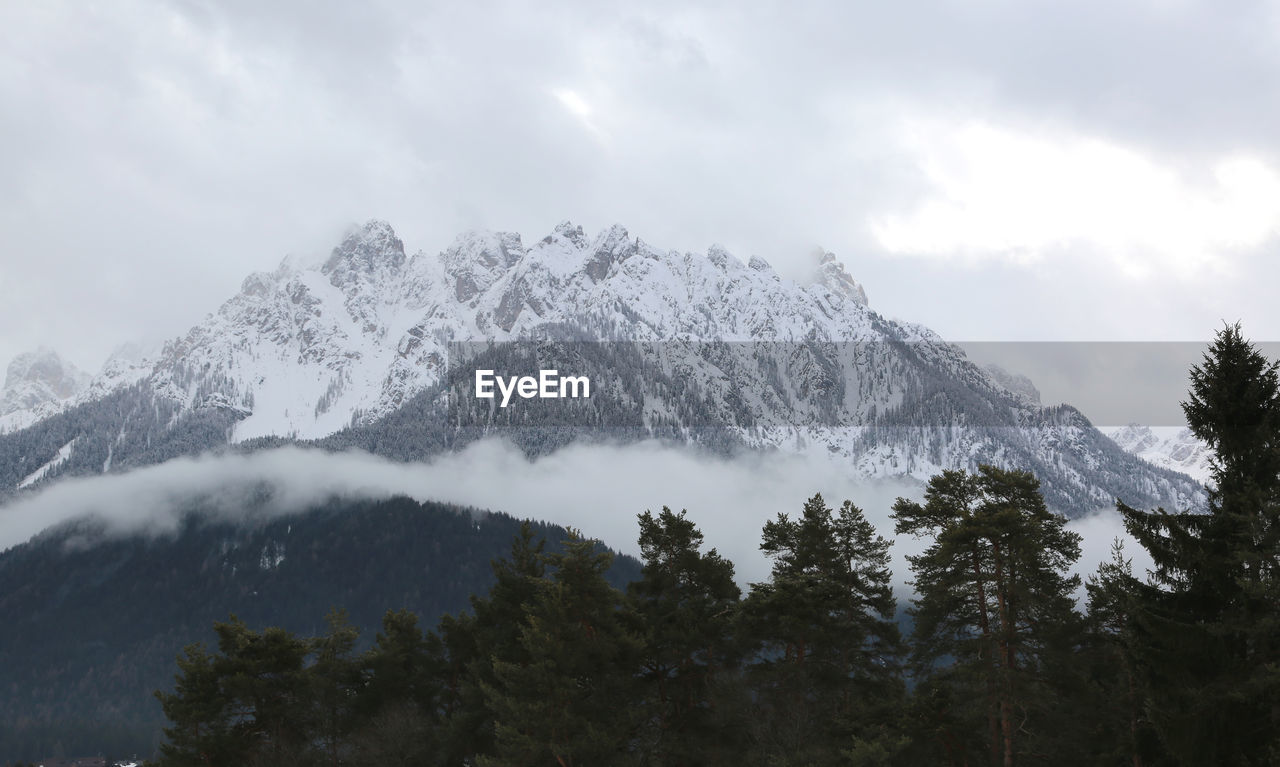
(994,663)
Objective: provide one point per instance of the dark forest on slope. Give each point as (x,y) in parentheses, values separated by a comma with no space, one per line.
(92,622)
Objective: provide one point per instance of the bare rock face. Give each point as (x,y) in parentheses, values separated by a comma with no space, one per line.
(610,249)
(477,260)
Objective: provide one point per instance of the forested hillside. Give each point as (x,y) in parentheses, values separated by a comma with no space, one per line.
(92,622)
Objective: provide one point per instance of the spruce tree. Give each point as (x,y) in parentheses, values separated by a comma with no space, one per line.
(1206,626)
(994,618)
(263,675)
(403,665)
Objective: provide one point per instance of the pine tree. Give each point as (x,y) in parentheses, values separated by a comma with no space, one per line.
(827,680)
(1207,629)
(474,643)
(334,680)
(263,675)
(404,664)
(200,722)
(687,602)
(994,618)
(248,704)
(400,705)
(571,700)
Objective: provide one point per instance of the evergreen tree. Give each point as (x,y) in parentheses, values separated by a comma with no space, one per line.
(200,722)
(401,702)
(491,634)
(687,602)
(334,682)
(1206,628)
(1116,725)
(827,680)
(993,610)
(246,705)
(571,700)
(263,676)
(404,664)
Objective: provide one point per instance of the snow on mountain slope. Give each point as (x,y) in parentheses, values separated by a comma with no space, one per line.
(1170,447)
(64,453)
(302,353)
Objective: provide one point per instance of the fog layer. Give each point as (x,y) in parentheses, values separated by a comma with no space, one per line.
(599,489)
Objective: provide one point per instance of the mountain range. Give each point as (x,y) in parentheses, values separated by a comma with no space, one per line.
(365,349)
(1173,447)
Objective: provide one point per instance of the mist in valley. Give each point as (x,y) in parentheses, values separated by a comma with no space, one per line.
(598,489)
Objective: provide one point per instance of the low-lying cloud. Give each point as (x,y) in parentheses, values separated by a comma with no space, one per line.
(599,489)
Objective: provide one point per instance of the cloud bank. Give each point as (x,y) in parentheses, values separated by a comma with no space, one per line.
(597,489)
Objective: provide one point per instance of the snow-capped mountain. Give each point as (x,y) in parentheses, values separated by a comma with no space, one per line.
(39,378)
(1170,447)
(704,340)
(41,384)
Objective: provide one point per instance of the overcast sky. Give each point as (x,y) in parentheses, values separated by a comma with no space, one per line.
(996,170)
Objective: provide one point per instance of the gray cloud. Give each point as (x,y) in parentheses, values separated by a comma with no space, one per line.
(157,152)
(597,489)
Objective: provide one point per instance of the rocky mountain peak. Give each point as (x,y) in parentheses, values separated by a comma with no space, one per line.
(368,250)
(258,285)
(719,255)
(478,259)
(612,246)
(574,234)
(832,274)
(37,377)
